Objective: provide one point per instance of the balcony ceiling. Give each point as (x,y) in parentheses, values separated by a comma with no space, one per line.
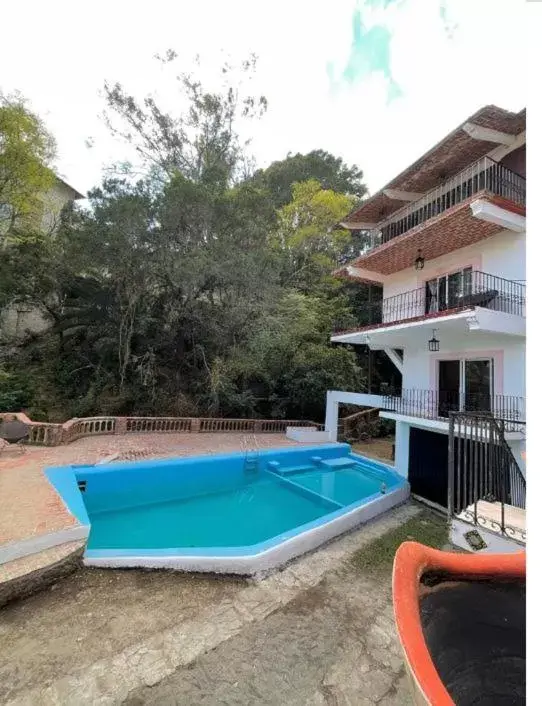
(455,152)
(455,228)
(453,327)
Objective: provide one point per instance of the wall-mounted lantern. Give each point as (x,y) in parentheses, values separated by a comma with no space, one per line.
(434,343)
(419,262)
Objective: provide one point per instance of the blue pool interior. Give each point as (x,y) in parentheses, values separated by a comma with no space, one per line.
(220,503)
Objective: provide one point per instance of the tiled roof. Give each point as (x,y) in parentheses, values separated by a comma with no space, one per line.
(452,154)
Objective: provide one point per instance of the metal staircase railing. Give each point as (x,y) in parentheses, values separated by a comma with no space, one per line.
(486,486)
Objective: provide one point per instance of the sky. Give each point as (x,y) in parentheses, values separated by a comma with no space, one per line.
(376,82)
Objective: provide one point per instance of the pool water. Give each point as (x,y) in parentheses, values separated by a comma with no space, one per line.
(344,486)
(228,511)
(233,505)
(250,512)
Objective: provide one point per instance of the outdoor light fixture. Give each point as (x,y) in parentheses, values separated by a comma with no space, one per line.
(434,343)
(419,262)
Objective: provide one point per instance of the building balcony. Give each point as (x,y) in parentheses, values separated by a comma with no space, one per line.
(434,304)
(439,404)
(480,201)
(431,409)
(485,175)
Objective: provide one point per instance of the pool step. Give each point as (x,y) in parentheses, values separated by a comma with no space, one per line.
(338,463)
(288,470)
(315,462)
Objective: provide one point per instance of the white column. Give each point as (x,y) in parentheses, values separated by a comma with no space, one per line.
(332,415)
(402,439)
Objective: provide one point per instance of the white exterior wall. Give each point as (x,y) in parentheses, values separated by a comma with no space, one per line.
(53,203)
(420,367)
(502,255)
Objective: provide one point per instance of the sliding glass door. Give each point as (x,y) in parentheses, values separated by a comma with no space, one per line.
(478,379)
(465,385)
(446,292)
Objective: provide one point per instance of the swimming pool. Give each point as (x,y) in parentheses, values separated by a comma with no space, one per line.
(235,513)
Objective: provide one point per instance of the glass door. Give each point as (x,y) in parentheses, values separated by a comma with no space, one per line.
(449,383)
(446,292)
(465,385)
(478,385)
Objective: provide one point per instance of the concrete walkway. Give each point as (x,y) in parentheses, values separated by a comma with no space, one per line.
(319,632)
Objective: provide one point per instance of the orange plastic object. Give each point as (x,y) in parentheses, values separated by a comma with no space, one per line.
(412,560)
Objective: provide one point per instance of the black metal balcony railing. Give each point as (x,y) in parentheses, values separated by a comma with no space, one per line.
(439,404)
(483,175)
(472,289)
(482,473)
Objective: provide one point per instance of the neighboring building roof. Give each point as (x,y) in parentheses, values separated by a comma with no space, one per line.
(452,154)
(76,194)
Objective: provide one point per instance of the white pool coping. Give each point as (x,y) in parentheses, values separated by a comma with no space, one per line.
(270,558)
(307,434)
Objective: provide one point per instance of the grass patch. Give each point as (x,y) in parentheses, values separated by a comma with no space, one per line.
(428,528)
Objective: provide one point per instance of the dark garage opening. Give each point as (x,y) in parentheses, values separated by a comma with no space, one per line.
(428,465)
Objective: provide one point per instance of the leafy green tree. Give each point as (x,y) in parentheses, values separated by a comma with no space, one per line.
(195,288)
(288,364)
(27,151)
(308,236)
(329,171)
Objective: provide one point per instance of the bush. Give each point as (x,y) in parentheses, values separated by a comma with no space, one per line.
(13,392)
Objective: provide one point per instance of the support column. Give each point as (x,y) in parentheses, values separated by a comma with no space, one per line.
(402,442)
(332,415)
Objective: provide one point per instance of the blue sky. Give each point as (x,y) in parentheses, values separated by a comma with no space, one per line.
(374,81)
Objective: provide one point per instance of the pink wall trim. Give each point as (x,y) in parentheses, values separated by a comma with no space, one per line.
(475,262)
(498,366)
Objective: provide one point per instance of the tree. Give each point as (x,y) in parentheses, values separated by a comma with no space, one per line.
(201,142)
(308,237)
(330,172)
(27,151)
(192,288)
(288,364)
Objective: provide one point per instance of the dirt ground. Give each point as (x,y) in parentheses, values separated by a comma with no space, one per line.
(319,632)
(380,449)
(92,614)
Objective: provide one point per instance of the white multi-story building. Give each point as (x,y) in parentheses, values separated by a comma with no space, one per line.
(447,245)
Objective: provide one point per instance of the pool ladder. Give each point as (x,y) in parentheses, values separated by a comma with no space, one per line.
(251,449)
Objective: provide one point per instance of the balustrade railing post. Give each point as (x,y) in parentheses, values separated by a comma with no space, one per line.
(451,466)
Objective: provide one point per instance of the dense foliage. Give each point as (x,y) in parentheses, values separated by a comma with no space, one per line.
(199,288)
(26,153)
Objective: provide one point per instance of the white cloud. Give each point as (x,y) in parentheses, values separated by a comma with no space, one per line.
(64,58)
